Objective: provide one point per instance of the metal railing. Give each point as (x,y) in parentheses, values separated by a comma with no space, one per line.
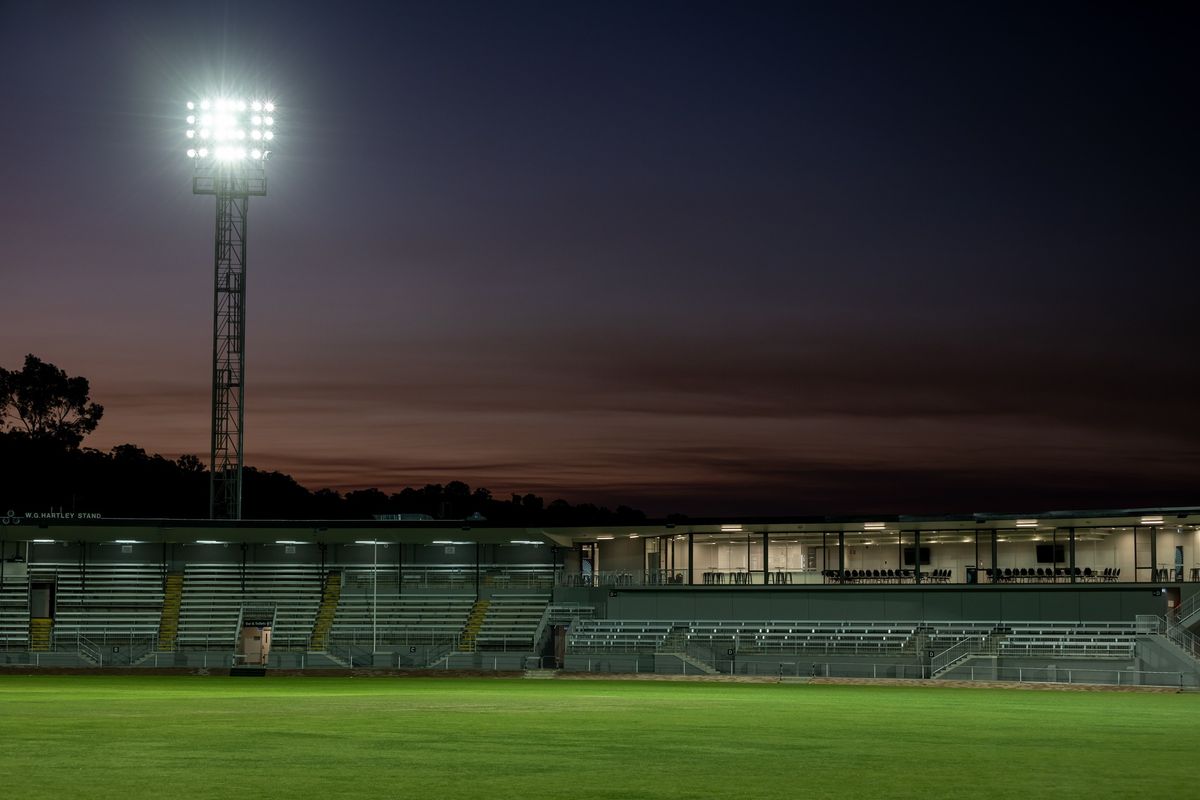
(969,646)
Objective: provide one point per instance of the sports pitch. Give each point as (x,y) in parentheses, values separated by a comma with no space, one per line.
(194,737)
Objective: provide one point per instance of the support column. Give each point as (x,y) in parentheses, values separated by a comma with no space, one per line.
(1071,555)
(841,554)
(1154,553)
(766,561)
(916,555)
(995,558)
(691,557)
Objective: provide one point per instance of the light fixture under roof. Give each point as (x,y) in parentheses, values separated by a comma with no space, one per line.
(603,537)
(126,541)
(731,527)
(1027,523)
(288,541)
(43,541)
(208,541)
(874,526)
(1154,520)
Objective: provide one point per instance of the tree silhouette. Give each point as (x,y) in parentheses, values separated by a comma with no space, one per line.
(44,415)
(42,402)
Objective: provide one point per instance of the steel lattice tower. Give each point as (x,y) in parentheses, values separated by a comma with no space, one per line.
(233,174)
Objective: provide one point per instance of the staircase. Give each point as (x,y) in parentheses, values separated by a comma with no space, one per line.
(330,596)
(39,634)
(676,641)
(466,644)
(675,645)
(168,625)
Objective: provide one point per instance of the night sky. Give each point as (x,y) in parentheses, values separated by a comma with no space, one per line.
(710,258)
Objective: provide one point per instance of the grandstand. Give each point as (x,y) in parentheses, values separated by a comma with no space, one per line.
(926,597)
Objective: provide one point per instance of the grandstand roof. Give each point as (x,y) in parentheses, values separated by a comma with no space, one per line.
(70,527)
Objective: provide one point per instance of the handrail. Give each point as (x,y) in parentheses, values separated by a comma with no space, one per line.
(1182,637)
(539,636)
(91,650)
(1187,611)
(955,652)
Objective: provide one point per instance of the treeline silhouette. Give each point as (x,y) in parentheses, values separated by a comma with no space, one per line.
(127,482)
(44,416)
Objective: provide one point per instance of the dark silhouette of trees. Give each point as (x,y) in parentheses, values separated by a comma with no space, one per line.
(42,402)
(44,416)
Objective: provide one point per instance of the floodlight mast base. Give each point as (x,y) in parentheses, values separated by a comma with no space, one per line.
(233,186)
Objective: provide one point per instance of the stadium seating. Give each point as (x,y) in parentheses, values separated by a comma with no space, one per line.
(389,618)
(14,613)
(511,622)
(214,596)
(805,636)
(618,636)
(104,602)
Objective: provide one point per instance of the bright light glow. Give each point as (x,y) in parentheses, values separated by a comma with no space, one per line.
(603,538)
(633,536)
(204,133)
(256,106)
(1027,523)
(208,541)
(204,104)
(241,105)
(873,526)
(1152,520)
(367,541)
(268,121)
(256,153)
(203,152)
(191,106)
(241,134)
(269,135)
(43,541)
(288,541)
(522,541)
(269,107)
(191,119)
(191,153)
(731,527)
(256,120)
(191,134)
(255,134)
(125,541)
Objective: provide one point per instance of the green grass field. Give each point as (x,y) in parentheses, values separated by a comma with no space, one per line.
(191,737)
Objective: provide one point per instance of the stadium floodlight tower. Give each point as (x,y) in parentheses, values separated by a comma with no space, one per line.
(229,140)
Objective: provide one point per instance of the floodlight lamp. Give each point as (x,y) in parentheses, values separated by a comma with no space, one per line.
(255,134)
(269,135)
(204,104)
(191,106)
(256,120)
(203,152)
(204,133)
(268,121)
(191,153)
(256,154)
(191,134)
(256,106)
(191,119)
(269,107)
(241,105)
